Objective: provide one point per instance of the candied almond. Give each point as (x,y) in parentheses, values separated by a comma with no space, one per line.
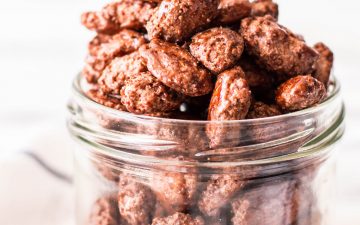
(143,94)
(324,65)
(277,48)
(300,92)
(217,48)
(176,20)
(176,68)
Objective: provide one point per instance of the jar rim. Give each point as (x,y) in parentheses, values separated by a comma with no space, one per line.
(314,147)
(333,94)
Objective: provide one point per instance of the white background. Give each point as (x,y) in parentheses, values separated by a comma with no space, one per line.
(42,46)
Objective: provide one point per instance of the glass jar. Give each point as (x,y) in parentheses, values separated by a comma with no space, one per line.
(138,170)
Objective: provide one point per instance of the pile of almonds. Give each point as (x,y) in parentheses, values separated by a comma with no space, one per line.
(222,60)
(214,60)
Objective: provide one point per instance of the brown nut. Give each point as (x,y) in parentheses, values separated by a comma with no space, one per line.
(132,14)
(101,22)
(119,71)
(106,121)
(304,203)
(176,20)
(231,11)
(96,42)
(105,212)
(176,68)
(218,192)
(136,202)
(106,100)
(262,110)
(144,94)
(175,191)
(259,80)
(267,202)
(93,68)
(103,49)
(231,100)
(265,7)
(178,219)
(217,48)
(124,42)
(324,65)
(276,47)
(300,92)
(154,1)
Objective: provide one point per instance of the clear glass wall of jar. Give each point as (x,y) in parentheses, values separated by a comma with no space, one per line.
(141,170)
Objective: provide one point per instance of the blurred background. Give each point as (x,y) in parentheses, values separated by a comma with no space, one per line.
(42,47)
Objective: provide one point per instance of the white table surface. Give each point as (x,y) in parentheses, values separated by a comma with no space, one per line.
(42,46)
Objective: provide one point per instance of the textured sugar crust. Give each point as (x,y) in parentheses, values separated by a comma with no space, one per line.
(215,60)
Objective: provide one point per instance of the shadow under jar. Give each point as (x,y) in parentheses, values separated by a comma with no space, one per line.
(141,170)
